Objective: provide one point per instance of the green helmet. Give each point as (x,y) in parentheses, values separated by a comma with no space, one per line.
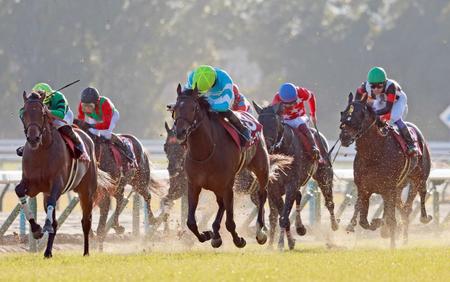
(204,78)
(44,87)
(376,75)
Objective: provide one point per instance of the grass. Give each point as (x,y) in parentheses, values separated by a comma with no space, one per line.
(251,264)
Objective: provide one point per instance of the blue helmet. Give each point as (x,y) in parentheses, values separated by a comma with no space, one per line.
(288,93)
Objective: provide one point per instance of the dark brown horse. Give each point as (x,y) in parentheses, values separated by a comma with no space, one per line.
(46,167)
(176,153)
(212,161)
(139,178)
(381,167)
(280,138)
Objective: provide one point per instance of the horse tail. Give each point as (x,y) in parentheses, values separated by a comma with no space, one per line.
(278,163)
(106,186)
(156,187)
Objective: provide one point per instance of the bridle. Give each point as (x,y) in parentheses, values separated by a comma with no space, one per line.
(361,130)
(194,124)
(42,128)
(280,133)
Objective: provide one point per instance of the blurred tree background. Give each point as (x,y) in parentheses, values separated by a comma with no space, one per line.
(136,52)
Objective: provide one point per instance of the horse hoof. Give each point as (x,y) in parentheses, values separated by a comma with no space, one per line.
(426,219)
(291,244)
(48,227)
(206,236)
(239,242)
(261,238)
(37,234)
(376,223)
(48,255)
(301,230)
(119,229)
(85,254)
(216,242)
(334,226)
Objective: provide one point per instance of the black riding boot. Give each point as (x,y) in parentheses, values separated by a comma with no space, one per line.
(244,132)
(315,153)
(124,148)
(67,130)
(412,149)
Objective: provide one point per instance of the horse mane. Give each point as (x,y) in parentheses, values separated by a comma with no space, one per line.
(202,101)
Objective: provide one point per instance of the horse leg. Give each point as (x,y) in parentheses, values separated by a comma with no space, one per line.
(145,193)
(422,187)
(51,236)
(193,194)
(119,202)
(229,223)
(86,221)
(275,196)
(301,230)
(324,178)
(406,209)
(363,199)
(354,220)
(273,216)
(285,224)
(216,239)
(104,209)
(389,202)
(36,229)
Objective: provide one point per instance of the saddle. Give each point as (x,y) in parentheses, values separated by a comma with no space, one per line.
(402,142)
(248,121)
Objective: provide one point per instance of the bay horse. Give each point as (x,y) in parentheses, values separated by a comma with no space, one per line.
(212,161)
(281,138)
(139,178)
(381,167)
(47,167)
(176,154)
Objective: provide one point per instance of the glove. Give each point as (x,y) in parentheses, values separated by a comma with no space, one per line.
(90,125)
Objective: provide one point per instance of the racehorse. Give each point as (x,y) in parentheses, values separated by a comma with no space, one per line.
(212,161)
(139,178)
(281,138)
(175,153)
(48,166)
(381,166)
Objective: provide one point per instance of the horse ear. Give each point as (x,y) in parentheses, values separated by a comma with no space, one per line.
(167,127)
(257,107)
(24,95)
(364,99)
(277,108)
(179,89)
(195,93)
(350,97)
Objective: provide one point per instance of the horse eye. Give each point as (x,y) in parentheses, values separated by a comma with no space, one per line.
(349,118)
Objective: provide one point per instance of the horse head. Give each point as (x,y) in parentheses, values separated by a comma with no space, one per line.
(34,118)
(356,119)
(273,127)
(174,152)
(187,112)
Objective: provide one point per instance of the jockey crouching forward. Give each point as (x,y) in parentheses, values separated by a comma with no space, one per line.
(292,99)
(56,103)
(101,116)
(217,86)
(389,102)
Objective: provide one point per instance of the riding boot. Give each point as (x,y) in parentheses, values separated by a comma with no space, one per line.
(234,120)
(315,153)
(19,151)
(412,149)
(124,148)
(67,130)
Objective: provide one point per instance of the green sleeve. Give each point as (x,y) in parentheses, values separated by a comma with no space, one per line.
(58,105)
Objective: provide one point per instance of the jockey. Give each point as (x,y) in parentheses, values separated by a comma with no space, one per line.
(293,112)
(217,86)
(240,102)
(389,102)
(101,116)
(57,104)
